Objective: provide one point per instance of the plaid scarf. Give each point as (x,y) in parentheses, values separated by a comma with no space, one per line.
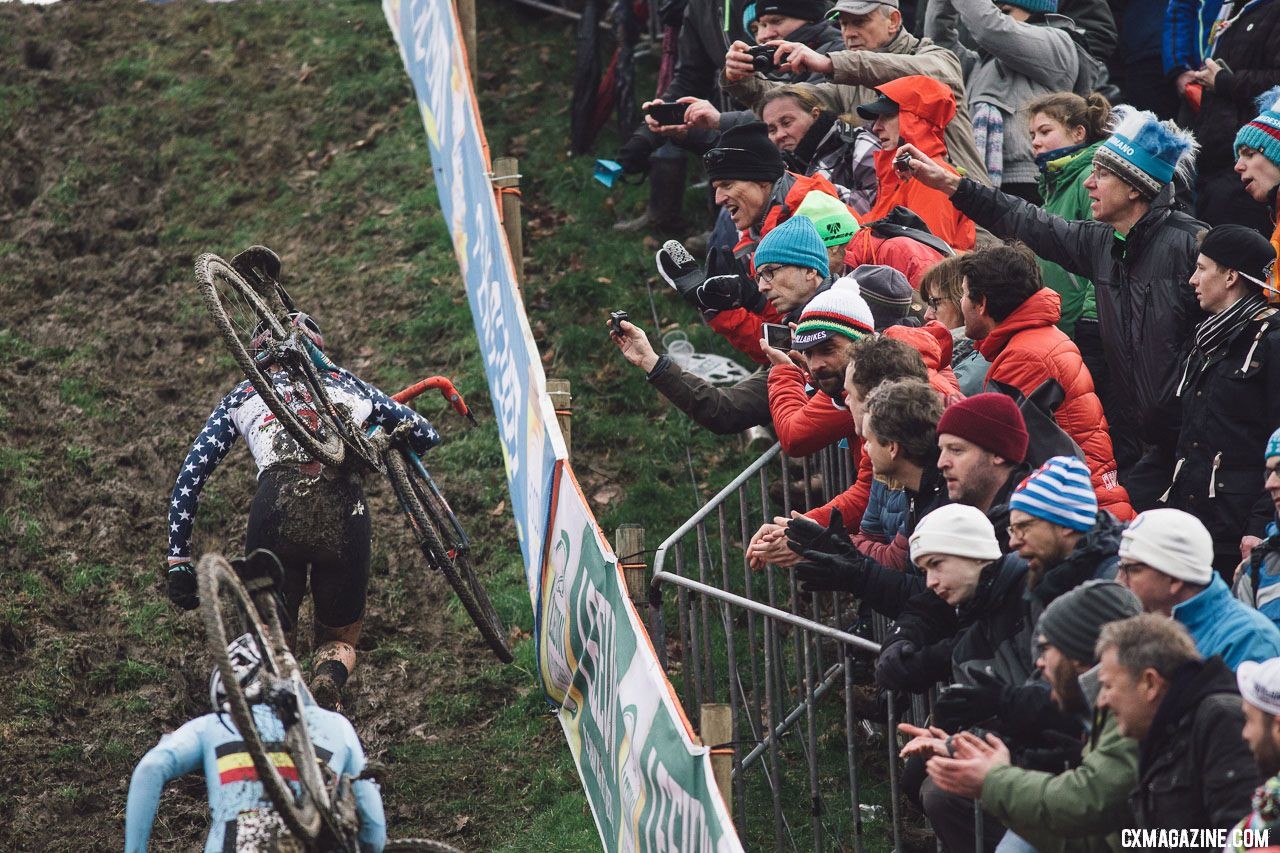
(1213,334)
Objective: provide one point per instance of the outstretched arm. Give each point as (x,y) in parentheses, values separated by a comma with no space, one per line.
(175,755)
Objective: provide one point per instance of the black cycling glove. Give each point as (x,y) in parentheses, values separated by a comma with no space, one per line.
(182,586)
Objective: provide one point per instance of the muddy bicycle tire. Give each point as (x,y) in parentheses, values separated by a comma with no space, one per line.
(300,814)
(419,845)
(209,269)
(430,524)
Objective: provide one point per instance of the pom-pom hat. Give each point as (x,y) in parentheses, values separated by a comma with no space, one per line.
(1146,152)
(1263,133)
(839,310)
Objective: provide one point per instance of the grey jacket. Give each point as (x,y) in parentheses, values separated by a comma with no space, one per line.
(1146,309)
(857,72)
(722,410)
(1014,62)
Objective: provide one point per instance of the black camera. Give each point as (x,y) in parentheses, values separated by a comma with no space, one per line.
(615,321)
(762,57)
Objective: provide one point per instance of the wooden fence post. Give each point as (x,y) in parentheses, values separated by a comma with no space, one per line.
(467,20)
(506,178)
(628,540)
(715,727)
(562,402)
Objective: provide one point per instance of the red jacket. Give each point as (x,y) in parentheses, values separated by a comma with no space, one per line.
(741,327)
(909,257)
(805,424)
(1027,348)
(926,107)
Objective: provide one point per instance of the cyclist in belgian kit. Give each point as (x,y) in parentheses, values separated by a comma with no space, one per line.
(242,813)
(308,514)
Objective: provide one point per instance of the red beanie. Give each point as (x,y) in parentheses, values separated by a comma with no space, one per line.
(991,421)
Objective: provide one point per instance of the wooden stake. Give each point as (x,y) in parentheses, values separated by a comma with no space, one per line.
(506,177)
(628,542)
(562,402)
(467,20)
(715,726)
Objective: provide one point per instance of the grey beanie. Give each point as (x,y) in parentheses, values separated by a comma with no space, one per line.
(886,291)
(1073,621)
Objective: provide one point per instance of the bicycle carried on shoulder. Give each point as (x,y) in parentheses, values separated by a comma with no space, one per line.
(245,298)
(244,597)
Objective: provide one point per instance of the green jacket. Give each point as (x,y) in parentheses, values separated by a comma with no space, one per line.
(1062,188)
(1081,809)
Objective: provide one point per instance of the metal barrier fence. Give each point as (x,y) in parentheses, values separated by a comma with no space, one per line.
(780,659)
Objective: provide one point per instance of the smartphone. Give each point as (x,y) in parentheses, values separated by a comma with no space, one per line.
(667,114)
(777,336)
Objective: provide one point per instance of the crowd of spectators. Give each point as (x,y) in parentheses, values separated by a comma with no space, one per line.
(1026,251)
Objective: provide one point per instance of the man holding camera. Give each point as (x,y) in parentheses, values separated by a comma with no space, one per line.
(877,50)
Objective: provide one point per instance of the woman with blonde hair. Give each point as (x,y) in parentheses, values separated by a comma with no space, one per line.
(941,289)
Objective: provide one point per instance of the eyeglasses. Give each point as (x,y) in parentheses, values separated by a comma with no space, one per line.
(766,273)
(1020,528)
(716,156)
(935,302)
(1130,568)
(1100,172)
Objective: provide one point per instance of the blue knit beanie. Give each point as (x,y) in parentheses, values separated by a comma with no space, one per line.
(794,242)
(1059,492)
(1144,151)
(1033,6)
(1273,445)
(1263,133)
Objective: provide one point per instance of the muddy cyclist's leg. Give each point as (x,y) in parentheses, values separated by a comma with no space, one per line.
(269,528)
(339,585)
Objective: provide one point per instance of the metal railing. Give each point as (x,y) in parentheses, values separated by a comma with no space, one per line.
(811,736)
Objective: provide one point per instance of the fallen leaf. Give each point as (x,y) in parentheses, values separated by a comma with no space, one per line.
(499,509)
(606,494)
(460,821)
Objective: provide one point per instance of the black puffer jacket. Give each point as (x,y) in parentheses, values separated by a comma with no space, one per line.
(1194,771)
(1145,307)
(1229,410)
(1095,557)
(989,632)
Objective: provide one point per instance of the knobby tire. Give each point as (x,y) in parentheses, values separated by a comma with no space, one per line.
(431,526)
(331,450)
(215,575)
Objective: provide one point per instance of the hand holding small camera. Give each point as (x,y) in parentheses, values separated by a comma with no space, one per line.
(910,161)
(738,62)
(632,341)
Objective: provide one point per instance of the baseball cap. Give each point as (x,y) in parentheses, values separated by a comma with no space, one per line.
(860,7)
(1260,684)
(883,105)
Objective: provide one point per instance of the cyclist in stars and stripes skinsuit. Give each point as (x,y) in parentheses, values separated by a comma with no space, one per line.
(312,517)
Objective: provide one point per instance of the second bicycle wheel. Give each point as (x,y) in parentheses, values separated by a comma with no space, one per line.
(430,521)
(237,310)
(228,612)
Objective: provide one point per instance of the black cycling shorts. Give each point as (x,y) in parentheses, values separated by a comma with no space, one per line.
(319,524)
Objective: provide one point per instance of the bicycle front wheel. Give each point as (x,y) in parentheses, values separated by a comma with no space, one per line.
(228,612)
(432,525)
(237,310)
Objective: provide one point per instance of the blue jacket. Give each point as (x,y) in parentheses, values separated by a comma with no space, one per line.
(886,513)
(1221,625)
(1187,25)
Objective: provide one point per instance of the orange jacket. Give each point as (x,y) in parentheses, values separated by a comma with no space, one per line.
(909,257)
(1027,348)
(925,108)
(805,424)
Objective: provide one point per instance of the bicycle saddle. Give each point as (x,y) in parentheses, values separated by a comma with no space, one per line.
(256,263)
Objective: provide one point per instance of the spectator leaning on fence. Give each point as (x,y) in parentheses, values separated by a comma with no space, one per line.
(1166,558)
(1194,771)
(1230,393)
(982,445)
(1139,254)
(1259,685)
(878,49)
(1075,797)
(1012,316)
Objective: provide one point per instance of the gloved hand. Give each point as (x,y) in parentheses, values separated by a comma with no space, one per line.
(633,156)
(724,292)
(1061,753)
(830,574)
(962,705)
(809,539)
(182,586)
(679,269)
(895,668)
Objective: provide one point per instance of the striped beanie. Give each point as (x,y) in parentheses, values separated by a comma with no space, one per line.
(838,310)
(834,221)
(795,243)
(1060,492)
(1263,133)
(1144,151)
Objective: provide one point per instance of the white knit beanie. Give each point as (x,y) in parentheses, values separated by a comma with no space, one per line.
(1172,542)
(955,530)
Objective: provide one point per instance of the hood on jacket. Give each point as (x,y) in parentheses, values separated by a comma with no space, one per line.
(787,195)
(1194,682)
(937,358)
(1095,556)
(1042,308)
(999,579)
(925,108)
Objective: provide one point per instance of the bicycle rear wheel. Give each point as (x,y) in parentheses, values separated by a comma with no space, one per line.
(419,845)
(228,611)
(237,309)
(432,525)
